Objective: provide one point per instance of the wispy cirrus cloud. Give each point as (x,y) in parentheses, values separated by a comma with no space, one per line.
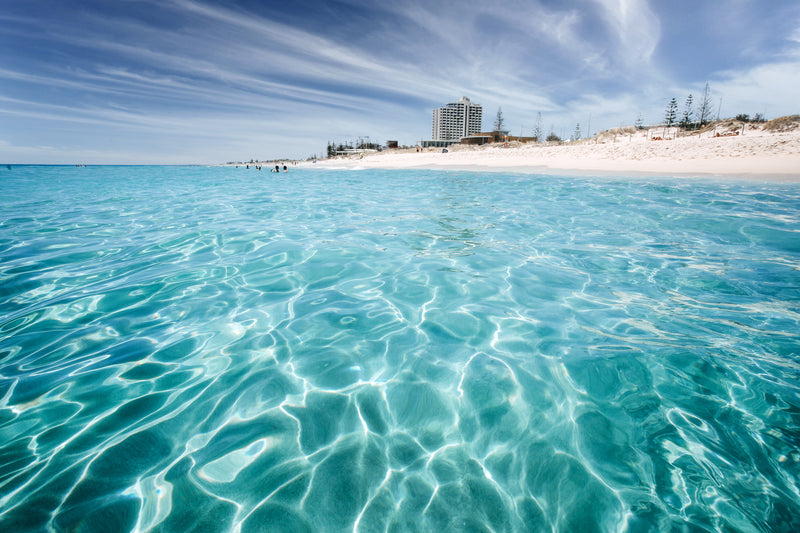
(205,81)
(635,26)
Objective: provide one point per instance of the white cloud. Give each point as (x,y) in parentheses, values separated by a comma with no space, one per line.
(60,154)
(769,88)
(224,79)
(636,27)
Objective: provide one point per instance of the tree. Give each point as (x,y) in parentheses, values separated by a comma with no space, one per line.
(553,137)
(686,119)
(639,123)
(537,131)
(704,107)
(671,113)
(499,123)
(576,135)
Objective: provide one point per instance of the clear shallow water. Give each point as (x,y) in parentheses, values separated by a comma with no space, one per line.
(213,349)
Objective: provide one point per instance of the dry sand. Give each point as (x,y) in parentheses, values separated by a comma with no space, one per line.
(753,154)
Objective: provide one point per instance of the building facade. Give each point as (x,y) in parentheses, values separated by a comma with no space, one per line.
(457,120)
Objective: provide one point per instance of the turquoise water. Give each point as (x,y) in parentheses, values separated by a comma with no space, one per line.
(221,349)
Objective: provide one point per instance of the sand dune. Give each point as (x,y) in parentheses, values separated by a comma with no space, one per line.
(753,153)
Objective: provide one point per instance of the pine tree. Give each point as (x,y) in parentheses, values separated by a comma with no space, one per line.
(639,123)
(499,123)
(576,135)
(704,107)
(686,120)
(671,113)
(537,131)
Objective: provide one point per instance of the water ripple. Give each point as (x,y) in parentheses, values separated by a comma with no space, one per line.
(186,348)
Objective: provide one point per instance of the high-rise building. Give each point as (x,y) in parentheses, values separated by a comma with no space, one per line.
(457,120)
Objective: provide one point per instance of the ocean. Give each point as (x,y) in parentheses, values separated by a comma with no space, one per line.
(223,349)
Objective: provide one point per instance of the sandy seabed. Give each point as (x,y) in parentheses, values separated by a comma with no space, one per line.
(752,154)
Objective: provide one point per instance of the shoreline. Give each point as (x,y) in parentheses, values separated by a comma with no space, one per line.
(757,155)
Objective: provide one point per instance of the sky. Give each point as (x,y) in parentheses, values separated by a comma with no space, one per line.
(196,81)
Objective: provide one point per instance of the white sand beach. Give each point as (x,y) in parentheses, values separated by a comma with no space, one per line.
(757,152)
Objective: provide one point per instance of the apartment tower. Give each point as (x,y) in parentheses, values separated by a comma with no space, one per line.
(457,120)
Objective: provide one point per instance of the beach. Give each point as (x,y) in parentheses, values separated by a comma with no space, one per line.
(753,153)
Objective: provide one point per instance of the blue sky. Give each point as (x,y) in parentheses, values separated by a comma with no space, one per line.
(194,81)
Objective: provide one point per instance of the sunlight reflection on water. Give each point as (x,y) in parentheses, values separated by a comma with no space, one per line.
(187,348)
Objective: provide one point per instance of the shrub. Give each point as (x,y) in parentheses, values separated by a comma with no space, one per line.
(783,123)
